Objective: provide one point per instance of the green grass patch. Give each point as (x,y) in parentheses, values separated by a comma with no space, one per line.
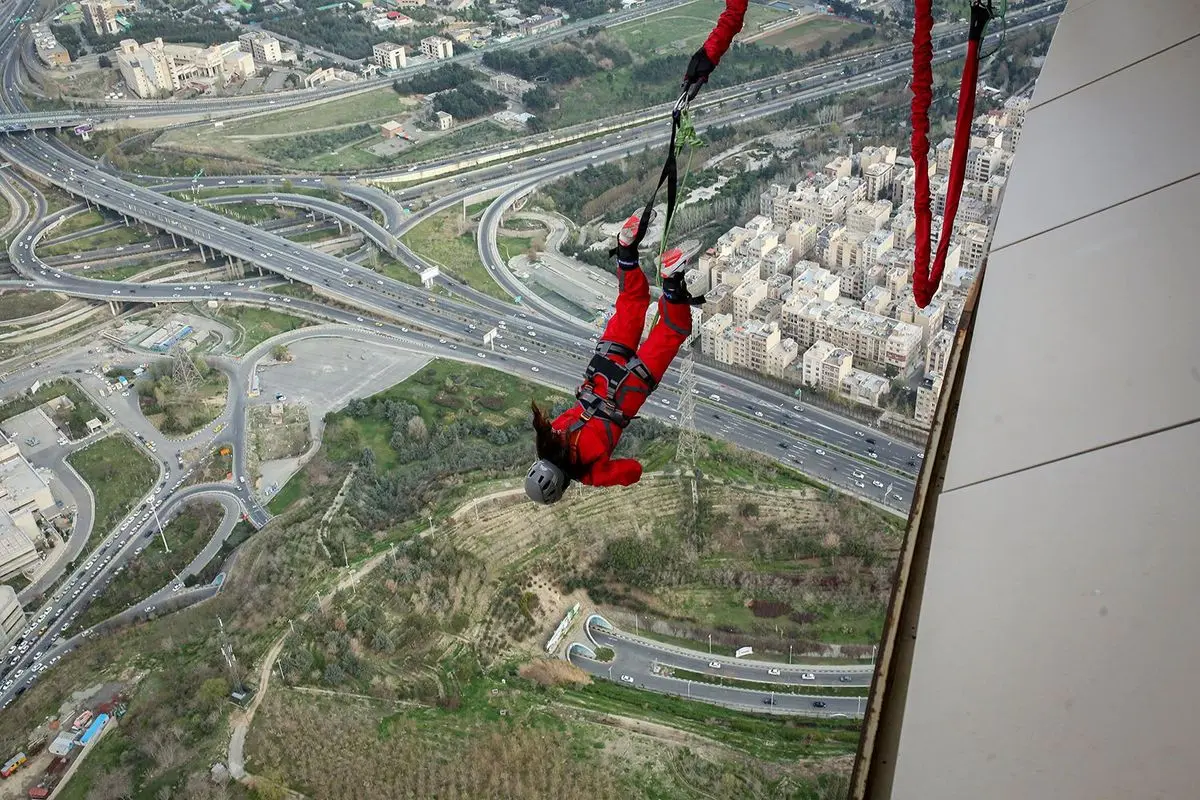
(186,535)
(319,235)
(513,246)
(113,237)
(377,105)
(256,325)
(811,34)
(75,421)
(777,688)
(122,273)
(17,305)
(119,474)
(684,28)
(78,222)
(480,134)
(293,490)
(767,737)
(391,268)
(441,240)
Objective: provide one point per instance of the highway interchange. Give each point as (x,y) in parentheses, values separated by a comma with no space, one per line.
(537,340)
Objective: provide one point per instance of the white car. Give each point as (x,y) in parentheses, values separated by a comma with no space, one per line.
(772,671)
(627,678)
(807,676)
(534,369)
(715,664)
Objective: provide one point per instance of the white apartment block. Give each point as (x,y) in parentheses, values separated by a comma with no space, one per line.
(751,341)
(781,356)
(816,282)
(12,616)
(747,296)
(929,319)
(101,16)
(942,155)
(876,301)
(870,156)
(389,55)
(973,242)
(871,337)
(146,69)
(840,167)
(865,388)
(937,352)
(712,329)
(872,249)
(825,365)
(437,47)
(927,398)
(801,236)
(17,552)
(262,46)
(878,178)
(864,218)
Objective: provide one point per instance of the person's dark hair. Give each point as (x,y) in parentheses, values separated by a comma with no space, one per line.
(552,445)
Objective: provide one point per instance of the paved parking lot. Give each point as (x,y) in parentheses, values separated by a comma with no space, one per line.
(328,372)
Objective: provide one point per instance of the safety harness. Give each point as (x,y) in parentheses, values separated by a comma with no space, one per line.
(607,406)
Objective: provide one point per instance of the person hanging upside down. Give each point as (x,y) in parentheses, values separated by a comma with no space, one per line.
(578,445)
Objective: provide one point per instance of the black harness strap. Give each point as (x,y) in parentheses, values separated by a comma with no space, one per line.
(608,405)
(668,176)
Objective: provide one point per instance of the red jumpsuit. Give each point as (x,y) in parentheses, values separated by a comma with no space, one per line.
(728,26)
(594,442)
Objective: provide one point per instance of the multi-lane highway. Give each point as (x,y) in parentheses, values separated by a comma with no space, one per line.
(645,664)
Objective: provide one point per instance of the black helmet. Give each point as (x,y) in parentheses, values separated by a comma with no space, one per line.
(546,482)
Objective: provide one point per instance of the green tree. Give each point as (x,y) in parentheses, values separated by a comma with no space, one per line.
(212,693)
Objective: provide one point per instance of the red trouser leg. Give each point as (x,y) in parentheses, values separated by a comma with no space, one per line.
(658,351)
(633,299)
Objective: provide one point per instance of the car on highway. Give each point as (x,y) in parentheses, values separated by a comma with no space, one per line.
(773,671)
(818,703)
(769,701)
(715,664)
(627,678)
(846,678)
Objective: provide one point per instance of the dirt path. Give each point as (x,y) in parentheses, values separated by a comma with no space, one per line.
(240,721)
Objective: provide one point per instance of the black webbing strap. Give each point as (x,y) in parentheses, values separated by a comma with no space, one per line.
(669,176)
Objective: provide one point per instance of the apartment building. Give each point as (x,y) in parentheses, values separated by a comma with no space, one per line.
(865,388)
(878,178)
(816,282)
(146,69)
(876,301)
(24,494)
(101,16)
(864,218)
(17,551)
(711,329)
(747,296)
(263,47)
(927,398)
(437,47)
(870,337)
(389,55)
(840,167)
(872,248)
(825,365)
(937,352)
(12,616)
(801,236)
(974,243)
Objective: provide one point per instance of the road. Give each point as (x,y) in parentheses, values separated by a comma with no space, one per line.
(634,662)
